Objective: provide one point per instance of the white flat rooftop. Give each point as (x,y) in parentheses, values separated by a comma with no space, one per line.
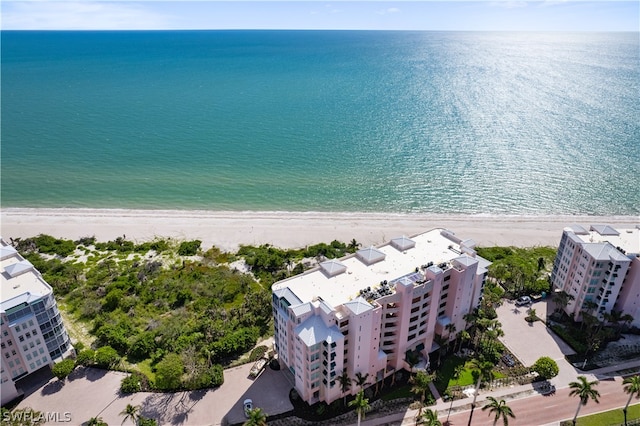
(627,239)
(335,290)
(20,281)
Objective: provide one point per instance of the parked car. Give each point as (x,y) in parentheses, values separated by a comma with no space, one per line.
(248,406)
(524,300)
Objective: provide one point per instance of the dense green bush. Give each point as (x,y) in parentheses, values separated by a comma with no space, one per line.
(546,367)
(86,357)
(189,248)
(237,342)
(258,352)
(107,357)
(63,368)
(135,382)
(169,371)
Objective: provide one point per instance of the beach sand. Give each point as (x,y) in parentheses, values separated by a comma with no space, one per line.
(228,230)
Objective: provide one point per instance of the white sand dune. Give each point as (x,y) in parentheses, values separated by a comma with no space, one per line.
(228,229)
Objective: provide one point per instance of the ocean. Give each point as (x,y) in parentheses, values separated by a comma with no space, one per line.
(350,121)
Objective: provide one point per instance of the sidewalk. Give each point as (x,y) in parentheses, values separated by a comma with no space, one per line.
(508,394)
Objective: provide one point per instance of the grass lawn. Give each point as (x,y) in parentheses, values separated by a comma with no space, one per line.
(445,379)
(613,417)
(145,368)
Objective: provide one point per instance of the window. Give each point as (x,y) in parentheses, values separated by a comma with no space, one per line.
(32,366)
(44,359)
(2,345)
(17,328)
(28,335)
(28,358)
(21,338)
(13,352)
(6,355)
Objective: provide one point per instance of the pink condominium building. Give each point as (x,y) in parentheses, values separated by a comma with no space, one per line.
(600,265)
(363,313)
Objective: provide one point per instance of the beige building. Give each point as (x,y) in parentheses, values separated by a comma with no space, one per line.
(32,333)
(363,313)
(599,265)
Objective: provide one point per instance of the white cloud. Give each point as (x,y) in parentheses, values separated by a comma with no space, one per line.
(74,15)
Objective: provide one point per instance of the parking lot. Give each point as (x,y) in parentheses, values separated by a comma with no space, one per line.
(530,341)
(95,393)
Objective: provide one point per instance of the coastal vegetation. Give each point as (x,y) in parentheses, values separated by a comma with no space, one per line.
(170,312)
(520,271)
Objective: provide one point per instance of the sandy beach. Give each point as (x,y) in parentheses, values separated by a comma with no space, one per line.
(228,230)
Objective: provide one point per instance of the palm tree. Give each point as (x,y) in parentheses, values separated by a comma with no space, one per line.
(421,382)
(257,417)
(500,409)
(457,372)
(96,421)
(345,385)
(429,418)
(131,412)
(632,388)
(585,391)
(361,405)
(562,299)
(361,380)
(484,370)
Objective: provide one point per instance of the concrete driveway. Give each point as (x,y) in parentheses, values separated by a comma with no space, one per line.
(95,393)
(530,341)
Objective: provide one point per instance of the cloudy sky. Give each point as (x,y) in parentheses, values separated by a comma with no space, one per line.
(550,15)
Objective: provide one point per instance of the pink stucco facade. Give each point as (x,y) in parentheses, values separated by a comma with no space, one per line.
(362,313)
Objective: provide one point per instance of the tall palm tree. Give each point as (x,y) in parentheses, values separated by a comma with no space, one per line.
(585,390)
(361,405)
(131,412)
(457,372)
(632,387)
(345,385)
(429,418)
(257,417)
(484,370)
(421,382)
(500,409)
(361,380)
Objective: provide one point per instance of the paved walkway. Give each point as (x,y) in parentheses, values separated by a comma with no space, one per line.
(95,393)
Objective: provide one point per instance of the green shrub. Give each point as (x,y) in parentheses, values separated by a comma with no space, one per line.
(86,357)
(546,367)
(258,352)
(131,384)
(62,369)
(169,372)
(189,248)
(107,357)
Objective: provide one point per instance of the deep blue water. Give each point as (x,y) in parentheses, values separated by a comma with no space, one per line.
(425,122)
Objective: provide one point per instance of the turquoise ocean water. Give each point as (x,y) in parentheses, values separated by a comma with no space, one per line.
(421,122)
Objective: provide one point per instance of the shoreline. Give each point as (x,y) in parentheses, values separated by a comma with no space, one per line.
(228,230)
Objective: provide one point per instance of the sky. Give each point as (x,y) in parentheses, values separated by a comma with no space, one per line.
(475,15)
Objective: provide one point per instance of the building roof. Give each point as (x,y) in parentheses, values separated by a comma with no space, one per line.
(604,230)
(20,281)
(301,309)
(403,243)
(332,267)
(626,240)
(314,331)
(370,255)
(577,229)
(358,306)
(338,282)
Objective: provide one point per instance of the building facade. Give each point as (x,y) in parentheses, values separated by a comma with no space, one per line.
(32,333)
(365,312)
(599,267)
